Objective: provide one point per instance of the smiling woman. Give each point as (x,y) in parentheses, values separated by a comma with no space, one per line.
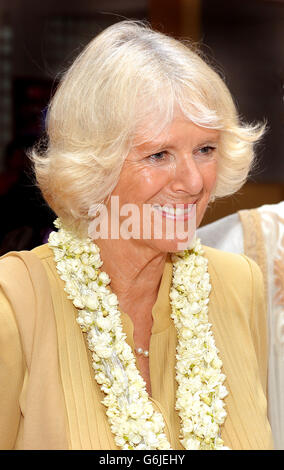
(163,347)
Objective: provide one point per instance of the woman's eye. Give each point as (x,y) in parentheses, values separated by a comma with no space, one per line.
(207,150)
(158,156)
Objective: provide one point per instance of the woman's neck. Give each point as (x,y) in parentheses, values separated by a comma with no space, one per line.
(135,272)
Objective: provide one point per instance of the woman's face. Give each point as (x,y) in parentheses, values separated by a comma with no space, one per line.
(177,168)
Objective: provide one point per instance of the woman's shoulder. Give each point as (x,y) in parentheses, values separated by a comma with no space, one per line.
(22,272)
(238,284)
(233,262)
(42,251)
(233,271)
(24,258)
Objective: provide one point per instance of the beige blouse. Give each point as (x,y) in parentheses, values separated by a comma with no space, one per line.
(49,398)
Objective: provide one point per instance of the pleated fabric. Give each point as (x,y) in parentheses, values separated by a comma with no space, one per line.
(52,400)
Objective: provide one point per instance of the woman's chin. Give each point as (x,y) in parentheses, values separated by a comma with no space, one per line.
(171,246)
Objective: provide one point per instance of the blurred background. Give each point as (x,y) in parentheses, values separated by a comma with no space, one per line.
(39,40)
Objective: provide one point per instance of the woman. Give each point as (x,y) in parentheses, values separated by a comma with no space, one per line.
(140,121)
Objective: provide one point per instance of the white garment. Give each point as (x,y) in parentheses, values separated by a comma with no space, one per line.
(227,234)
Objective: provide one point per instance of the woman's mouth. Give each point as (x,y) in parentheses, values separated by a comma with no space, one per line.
(176,212)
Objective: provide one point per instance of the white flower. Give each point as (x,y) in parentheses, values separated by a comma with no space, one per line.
(105,323)
(101,344)
(192,444)
(85,258)
(104,278)
(79,302)
(135,410)
(91,301)
(90,272)
(126,353)
(100,378)
(109,301)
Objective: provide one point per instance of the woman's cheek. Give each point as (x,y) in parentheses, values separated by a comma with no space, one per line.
(138,183)
(211,175)
(152,180)
(146,184)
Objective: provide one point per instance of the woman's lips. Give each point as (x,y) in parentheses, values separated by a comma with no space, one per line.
(175,212)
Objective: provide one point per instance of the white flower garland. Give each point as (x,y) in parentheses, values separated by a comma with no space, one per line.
(133,420)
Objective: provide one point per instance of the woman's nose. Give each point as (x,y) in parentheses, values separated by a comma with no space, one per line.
(188,176)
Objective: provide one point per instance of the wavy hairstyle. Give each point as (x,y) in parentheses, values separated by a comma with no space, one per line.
(127,76)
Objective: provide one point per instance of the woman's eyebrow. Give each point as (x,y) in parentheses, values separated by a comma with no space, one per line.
(153,147)
(207,142)
(164,144)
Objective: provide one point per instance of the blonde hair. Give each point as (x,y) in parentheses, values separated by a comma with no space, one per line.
(127,76)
